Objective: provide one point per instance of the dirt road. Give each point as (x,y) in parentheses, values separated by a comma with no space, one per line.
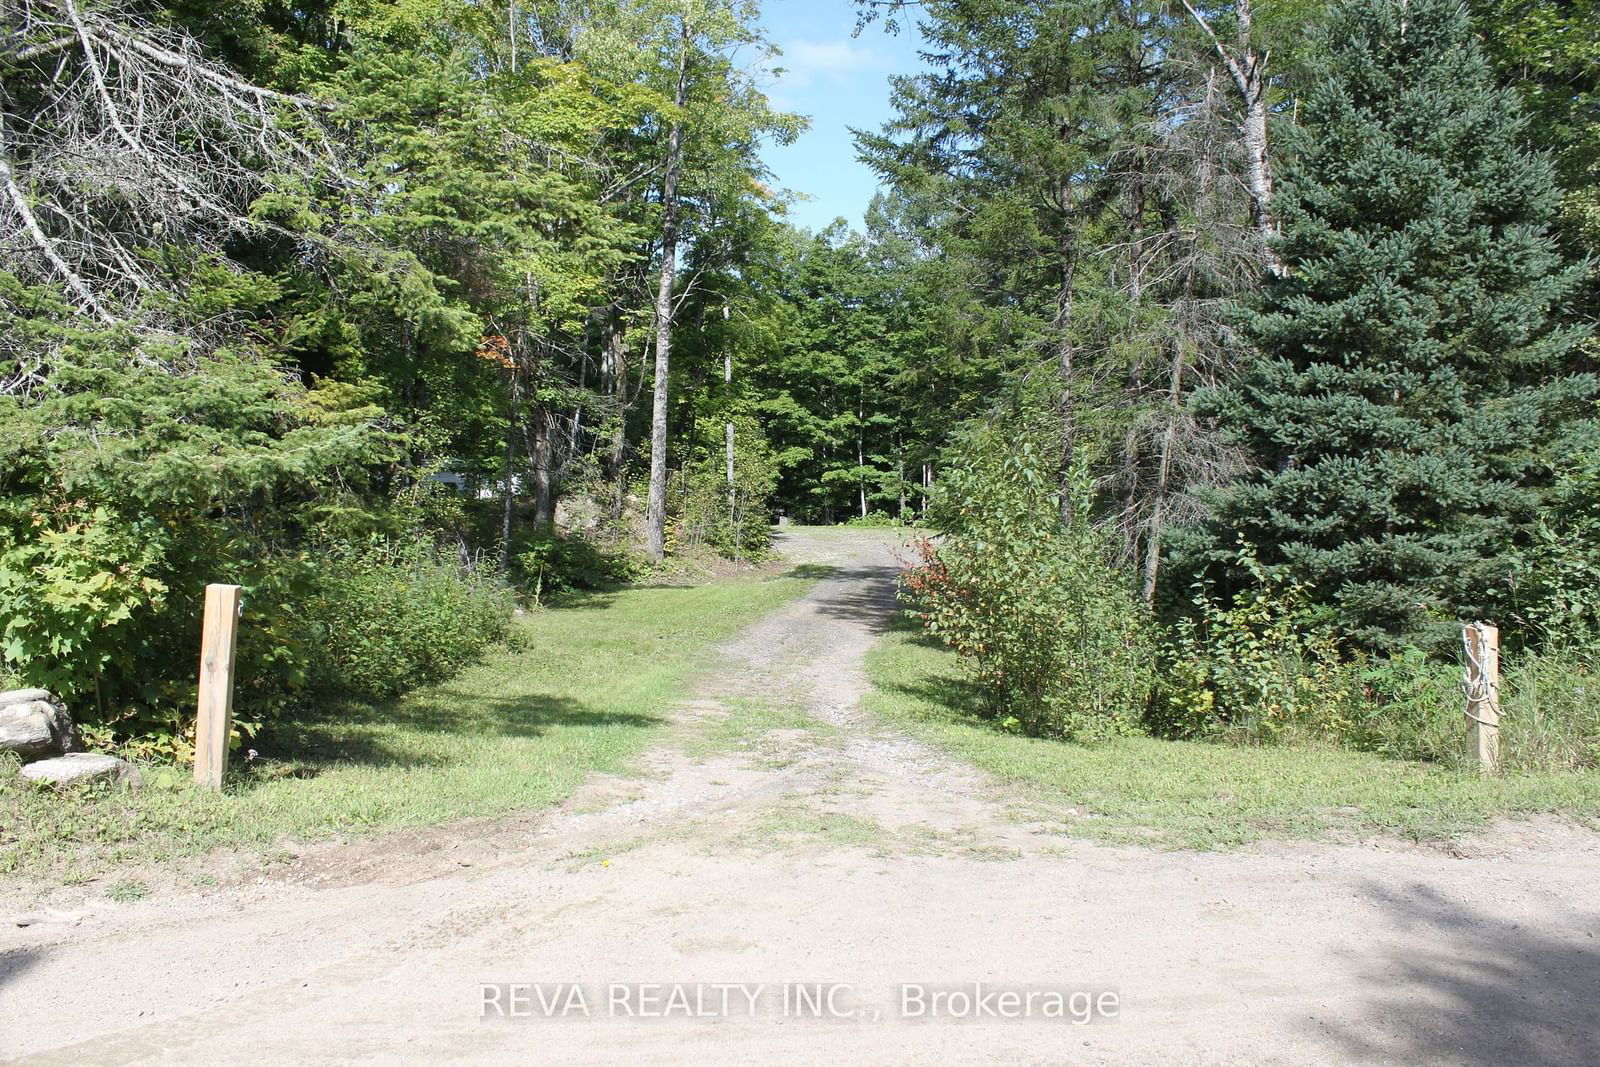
(798,892)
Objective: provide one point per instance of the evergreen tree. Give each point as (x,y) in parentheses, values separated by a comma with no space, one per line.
(1411,384)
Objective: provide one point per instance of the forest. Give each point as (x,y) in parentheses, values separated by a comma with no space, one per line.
(1225,357)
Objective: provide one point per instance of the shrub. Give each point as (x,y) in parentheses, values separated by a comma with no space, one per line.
(1407,705)
(549,563)
(1258,669)
(1550,717)
(1048,627)
(387,617)
(133,473)
(876,520)
(1549,710)
(738,526)
(1255,666)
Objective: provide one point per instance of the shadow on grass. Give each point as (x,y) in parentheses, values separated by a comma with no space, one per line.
(602,597)
(376,734)
(1492,991)
(585,599)
(947,698)
(812,571)
(951,697)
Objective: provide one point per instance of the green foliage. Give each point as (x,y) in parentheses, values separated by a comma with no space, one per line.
(1253,666)
(1551,710)
(384,618)
(736,524)
(1559,596)
(1550,55)
(876,520)
(1048,627)
(549,563)
(1259,670)
(1148,792)
(134,472)
(1414,381)
(1408,706)
(855,391)
(73,597)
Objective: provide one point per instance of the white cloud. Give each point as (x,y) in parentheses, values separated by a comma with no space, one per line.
(805,63)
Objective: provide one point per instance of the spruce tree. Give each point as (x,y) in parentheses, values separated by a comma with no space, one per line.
(1413,380)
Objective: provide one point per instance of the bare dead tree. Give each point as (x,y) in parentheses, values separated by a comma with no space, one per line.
(1247,68)
(1202,255)
(118,137)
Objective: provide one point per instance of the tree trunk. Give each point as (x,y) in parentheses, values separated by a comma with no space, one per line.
(1258,171)
(861,458)
(1152,546)
(656,515)
(507,495)
(900,476)
(614,381)
(727,430)
(541,456)
(1067,255)
(1248,69)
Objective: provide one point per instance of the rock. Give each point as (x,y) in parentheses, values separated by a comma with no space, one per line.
(83,767)
(23,696)
(579,512)
(38,726)
(52,916)
(26,731)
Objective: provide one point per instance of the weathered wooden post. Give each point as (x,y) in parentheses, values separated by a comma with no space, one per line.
(1482,643)
(215,722)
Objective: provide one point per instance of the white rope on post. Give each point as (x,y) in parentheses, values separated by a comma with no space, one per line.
(1481,684)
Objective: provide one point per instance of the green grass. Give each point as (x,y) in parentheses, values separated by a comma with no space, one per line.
(128,890)
(1177,794)
(794,823)
(748,725)
(583,687)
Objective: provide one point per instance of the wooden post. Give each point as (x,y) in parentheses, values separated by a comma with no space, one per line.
(215,720)
(1482,643)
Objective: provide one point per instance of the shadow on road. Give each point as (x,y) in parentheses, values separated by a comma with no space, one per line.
(862,594)
(1493,992)
(14,962)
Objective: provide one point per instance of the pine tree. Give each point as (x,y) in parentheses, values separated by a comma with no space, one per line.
(1411,384)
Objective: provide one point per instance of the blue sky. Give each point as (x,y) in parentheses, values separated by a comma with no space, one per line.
(839,81)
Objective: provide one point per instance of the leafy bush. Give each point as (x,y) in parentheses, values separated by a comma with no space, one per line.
(1048,627)
(74,596)
(876,520)
(136,471)
(1407,705)
(1255,666)
(388,617)
(1549,710)
(550,563)
(1258,669)
(737,525)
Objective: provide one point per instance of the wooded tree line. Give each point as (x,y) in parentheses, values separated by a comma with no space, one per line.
(1315,276)
(1311,275)
(274,270)
(1293,310)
